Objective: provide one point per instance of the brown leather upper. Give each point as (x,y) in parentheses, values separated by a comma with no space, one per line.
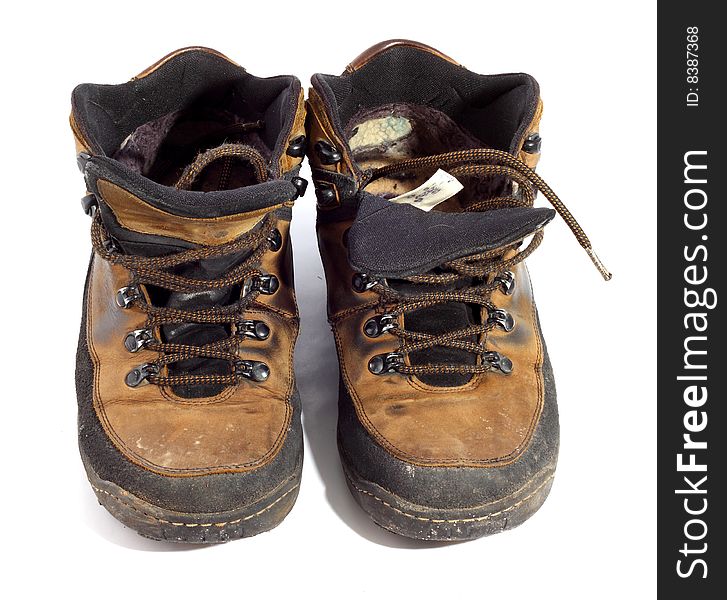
(241,428)
(488,421)
(137,215)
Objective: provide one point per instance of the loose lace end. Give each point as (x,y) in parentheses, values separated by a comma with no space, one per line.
(491,162)
(599,265)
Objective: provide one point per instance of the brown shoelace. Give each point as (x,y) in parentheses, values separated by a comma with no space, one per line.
(228,153)
(479,275)
(156,271)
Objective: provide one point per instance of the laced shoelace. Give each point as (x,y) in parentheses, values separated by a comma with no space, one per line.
(477,275)
(156,271)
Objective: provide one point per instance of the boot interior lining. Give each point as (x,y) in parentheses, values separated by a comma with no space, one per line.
(140,114)
(493,108)
(163,148)
(398,131)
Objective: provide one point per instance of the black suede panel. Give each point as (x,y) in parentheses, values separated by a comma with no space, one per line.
(198,494)
(399,240)
(448,487)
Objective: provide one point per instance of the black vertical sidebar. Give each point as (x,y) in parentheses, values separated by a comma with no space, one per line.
(692,265)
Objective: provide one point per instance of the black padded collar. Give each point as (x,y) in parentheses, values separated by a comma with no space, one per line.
(187,203)
(107,114)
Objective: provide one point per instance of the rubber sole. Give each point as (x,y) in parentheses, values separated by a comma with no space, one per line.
(158,523)
(402,517)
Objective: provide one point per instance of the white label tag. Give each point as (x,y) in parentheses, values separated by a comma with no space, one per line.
(439,187)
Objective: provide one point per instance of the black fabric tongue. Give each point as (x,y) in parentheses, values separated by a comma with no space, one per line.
(397,240)
(195,334)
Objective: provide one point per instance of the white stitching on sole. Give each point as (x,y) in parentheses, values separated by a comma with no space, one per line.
(221,524)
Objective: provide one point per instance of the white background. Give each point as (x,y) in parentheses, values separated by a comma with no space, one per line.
(595,535)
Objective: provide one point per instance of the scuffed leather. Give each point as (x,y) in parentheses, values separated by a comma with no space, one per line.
(133,213)
(487,422)
(238,430)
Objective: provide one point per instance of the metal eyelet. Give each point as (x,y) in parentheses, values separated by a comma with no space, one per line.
(532,143)
(328,154)
(386,363)
(254,330)
(111,246)
(126,295)
(137,339)
(140,374)
(82,160)
(301,185)
(362,282)
(326,195)
(265,284)
(501,318)
(252,369)
(379,324)
(276,240)
(89,203)
(507,282)
(297,146)
(498,362)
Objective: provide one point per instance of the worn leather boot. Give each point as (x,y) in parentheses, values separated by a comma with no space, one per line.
(448,425)
(189,418)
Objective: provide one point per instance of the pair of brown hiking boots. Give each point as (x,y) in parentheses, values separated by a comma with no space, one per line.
(189,417)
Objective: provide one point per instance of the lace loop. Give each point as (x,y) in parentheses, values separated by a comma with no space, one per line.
(484,267)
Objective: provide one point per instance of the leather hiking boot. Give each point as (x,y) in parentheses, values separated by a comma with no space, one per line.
(189,418)
(448,425)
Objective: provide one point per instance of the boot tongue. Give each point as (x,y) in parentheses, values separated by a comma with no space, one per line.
(399,240)
(128,212)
